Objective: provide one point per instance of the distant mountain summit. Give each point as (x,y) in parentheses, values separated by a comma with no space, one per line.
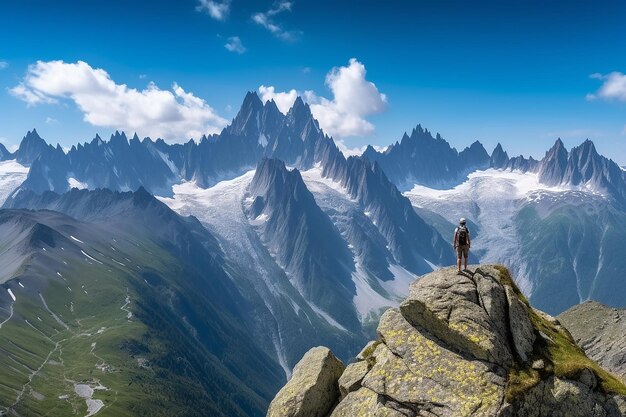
(259,130)
(582,166)
(31,147)
(500,160)
(427,160)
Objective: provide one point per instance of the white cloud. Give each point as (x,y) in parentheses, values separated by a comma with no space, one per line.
(51,121)
(11,147)
(354,98)
(266,20)
(174,115)
(234,44)
(218,10)
(612,88)
(284,100)
(3,65)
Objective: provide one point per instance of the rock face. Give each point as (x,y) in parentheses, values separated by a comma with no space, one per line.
(468,345)
(601,332)
(312,390)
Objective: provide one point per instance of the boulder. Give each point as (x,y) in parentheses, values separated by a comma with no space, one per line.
(351,378)
(413,367)
(466,315)
(522,330)
(313,388)
(459,346)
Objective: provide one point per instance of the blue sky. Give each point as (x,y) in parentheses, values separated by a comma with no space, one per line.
(515,72)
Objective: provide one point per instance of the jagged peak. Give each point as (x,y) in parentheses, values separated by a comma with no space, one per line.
(476,144)
(118,137)
(558,144)
(32,136)
(271,106)
(251,98)
(418,130)
(299,109)
(97,140)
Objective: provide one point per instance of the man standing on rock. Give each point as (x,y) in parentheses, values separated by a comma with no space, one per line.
(462,242)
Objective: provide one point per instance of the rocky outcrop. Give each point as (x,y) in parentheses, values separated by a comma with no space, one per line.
(470,345)
(313,388)
(601,332)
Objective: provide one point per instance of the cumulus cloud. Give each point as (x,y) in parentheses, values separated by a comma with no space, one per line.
(266,20)
(613,86)
(354,98)
(284,100)
(170,114)
(52,121)
(218,10)
(3,65)
(234,44)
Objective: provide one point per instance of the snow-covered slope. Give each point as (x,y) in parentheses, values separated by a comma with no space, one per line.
(558,241)
(380,282)
(286,308)
(12,175)
(490,199)
(283,314)
(221,208)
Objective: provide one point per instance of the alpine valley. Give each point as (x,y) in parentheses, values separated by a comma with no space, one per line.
(138,273)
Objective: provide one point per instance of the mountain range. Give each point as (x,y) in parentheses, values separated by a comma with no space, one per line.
(266,235)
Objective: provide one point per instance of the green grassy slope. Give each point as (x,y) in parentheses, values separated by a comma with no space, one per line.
(119,314)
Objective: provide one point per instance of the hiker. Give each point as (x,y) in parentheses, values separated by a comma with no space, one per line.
(462,242)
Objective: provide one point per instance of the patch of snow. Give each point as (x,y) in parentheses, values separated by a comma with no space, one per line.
(118,262)
(367,300)
(11,294)
(76,239)
(90,257)
(172,167)
(318,184)
(432,265)
(491,199)
(86,392)
(356,151)
(327,317)
(21,285)
(263,140)
(54,316)
(74,183)
(12,175)
(259,220)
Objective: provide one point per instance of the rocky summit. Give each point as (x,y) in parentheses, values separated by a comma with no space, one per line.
(460,345)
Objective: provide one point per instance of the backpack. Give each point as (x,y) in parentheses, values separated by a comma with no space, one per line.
(462,236)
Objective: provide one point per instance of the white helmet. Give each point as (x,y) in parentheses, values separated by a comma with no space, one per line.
(462,220)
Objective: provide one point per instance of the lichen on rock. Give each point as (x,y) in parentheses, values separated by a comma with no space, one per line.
(313,389)
(460,346)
